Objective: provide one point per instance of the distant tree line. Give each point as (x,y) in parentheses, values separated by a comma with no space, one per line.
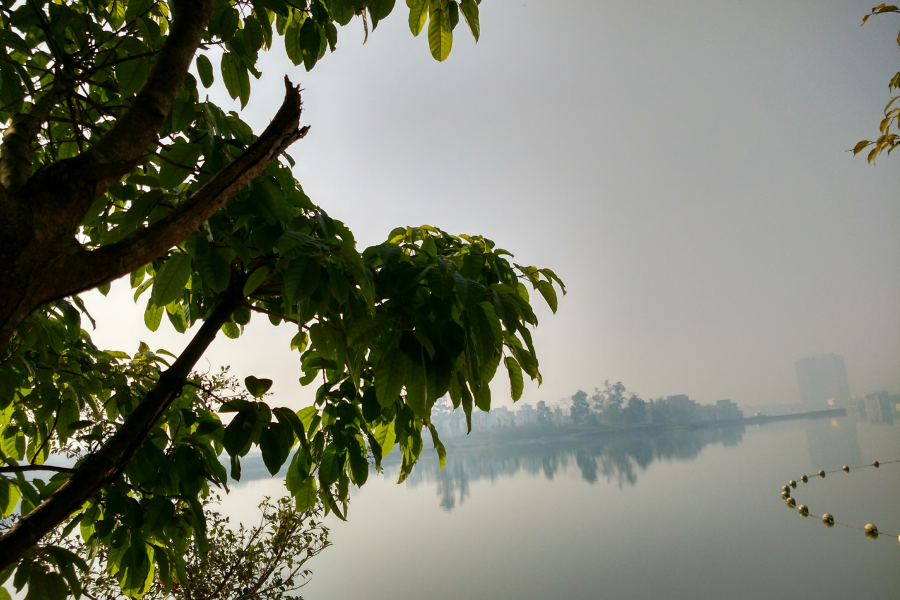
(610,405)
(613,404)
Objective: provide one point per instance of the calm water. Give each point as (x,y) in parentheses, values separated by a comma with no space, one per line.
(684,515)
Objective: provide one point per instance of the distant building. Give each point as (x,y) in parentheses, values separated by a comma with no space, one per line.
(681,408)
(823,381)
(876,408)
(723,410)
(728,410)
(526,414)
(704,413)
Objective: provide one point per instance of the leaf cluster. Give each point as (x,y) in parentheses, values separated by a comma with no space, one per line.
(889,139)
(267,561)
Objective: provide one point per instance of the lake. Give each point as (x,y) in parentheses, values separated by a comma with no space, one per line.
(680,514)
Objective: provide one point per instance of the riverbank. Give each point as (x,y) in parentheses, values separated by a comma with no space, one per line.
(537,434)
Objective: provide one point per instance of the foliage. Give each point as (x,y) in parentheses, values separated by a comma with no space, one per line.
(580,411)
(888,140)
(136,175)
(636,411)
(608,402)
(264,562)
(544,414)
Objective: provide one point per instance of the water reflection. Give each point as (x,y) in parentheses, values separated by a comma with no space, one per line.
(833,443)
(617,459)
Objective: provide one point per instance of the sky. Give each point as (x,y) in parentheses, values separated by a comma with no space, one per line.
(683,167)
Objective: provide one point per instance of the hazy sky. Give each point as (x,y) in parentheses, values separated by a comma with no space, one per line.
(682,166)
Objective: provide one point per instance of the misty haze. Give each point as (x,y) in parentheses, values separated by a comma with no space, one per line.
(270,325)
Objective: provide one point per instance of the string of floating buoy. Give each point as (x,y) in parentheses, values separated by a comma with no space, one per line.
(869,529)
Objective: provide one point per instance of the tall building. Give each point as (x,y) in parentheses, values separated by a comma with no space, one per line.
(823,381)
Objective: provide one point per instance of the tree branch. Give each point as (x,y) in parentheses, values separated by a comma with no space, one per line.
(15,151)
(140,124)
(106,465)
(27,468)
(85,270)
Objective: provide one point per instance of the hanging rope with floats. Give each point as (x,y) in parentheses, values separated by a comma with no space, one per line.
(870,530)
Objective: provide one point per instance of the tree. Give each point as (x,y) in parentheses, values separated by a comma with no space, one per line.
(111,165)
(888,140)
(614,395)
(544,414)
(580,410)
(636,411)
(265,562)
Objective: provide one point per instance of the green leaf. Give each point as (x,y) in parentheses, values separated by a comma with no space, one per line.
(470,12)
(183,115)
(331,35)
(359,463)
(310,41)
(415,389)
(204,68)
(301,279)
(272,452)
(462,287)
(231,330)
(9,496)
(453,13)
(239,432)
(516,381)
(490,330)
(236,78)
(549,294)
(292,42)
(46,586)
(290,421)
(553,277)
(298,471)
(131,75)
(379,9)
(418,14)
(257,387)
(390,375)
(171,280)
(255,280)
(177,163)
(305,496)
(386,436)
(331,467)
(213,267)
(153,316)
(438,446)
(440,37)
(483,397)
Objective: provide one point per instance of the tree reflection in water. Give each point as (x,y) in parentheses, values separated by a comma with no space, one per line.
(616,458)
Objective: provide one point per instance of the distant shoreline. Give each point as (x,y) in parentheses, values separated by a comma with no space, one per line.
(531,433)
